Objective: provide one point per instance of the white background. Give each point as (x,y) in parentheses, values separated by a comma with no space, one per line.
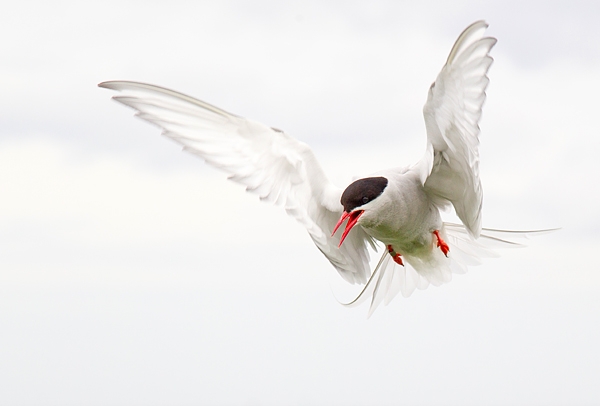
(134,274)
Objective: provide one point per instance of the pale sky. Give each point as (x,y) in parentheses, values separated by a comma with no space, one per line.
(134,274)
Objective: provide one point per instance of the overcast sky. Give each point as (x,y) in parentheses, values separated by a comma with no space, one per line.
(134,274)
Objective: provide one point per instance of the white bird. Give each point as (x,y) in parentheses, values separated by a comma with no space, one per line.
(399,207)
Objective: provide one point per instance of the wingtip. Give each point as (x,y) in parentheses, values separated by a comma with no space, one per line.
(463,38)
(110,84)
(120,84)
(476,24)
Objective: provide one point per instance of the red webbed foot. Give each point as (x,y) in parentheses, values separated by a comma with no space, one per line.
(395,256)
(441,243)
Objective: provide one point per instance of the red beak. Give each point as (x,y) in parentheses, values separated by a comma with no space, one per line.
(354,215)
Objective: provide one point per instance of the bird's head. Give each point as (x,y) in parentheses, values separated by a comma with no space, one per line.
(357,199)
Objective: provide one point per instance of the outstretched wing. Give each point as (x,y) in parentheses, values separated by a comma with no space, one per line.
(267,161)
(450,168)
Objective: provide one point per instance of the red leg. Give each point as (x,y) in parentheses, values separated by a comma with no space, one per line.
(441,243)
(395,256)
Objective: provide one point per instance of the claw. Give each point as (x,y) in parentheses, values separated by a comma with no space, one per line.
(395,256)
(441,243)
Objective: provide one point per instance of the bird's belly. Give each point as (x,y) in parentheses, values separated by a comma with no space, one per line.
(404,243)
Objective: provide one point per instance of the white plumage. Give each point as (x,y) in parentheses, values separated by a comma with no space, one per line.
(404,214)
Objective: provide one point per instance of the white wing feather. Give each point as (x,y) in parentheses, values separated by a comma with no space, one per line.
(450,168)
(267,161)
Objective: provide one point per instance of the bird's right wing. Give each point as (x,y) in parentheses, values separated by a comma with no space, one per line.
(267,161)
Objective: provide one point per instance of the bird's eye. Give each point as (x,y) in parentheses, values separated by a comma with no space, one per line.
(365,199)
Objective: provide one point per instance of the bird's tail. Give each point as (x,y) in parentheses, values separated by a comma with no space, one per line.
(388,278)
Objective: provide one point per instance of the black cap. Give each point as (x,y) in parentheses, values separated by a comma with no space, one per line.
(362,191)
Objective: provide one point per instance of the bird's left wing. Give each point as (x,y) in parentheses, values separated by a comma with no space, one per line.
(270,163)
(450,168)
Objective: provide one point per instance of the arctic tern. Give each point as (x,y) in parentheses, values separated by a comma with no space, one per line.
(398,207)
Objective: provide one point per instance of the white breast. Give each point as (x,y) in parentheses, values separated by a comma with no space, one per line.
(403,216)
